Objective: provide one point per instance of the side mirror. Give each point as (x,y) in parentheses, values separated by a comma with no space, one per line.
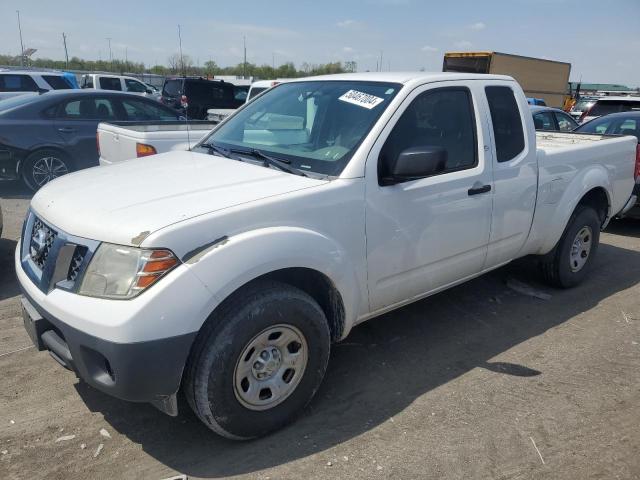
(149,90)
(417,162)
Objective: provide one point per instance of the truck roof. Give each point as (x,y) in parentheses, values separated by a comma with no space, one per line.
(406,78)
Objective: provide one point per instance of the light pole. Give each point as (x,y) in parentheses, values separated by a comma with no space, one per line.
(66,54)
(244,63)
(181,57)
(21,44)
(110,54)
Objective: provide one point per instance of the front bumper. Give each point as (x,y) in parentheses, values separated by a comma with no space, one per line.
(148,371)
(133,349)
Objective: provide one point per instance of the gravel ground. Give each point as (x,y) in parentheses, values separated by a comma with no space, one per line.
(476,382)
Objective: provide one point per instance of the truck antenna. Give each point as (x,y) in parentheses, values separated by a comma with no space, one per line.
(186,103)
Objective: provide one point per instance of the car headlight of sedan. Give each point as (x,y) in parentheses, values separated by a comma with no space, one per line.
(120,272)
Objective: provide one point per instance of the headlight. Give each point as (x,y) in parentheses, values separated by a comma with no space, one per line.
(116,271)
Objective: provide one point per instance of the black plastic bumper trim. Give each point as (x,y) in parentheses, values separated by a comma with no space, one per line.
(137,372)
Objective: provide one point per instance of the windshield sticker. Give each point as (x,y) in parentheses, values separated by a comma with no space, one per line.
(361,99)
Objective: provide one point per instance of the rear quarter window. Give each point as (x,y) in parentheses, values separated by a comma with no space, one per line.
(57,82)
(110,83)
(507,123)
(172,88)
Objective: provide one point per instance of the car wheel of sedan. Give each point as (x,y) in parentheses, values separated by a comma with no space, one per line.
(258,361)
(43,166)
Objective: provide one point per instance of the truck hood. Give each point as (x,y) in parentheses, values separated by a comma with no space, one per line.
(126,202)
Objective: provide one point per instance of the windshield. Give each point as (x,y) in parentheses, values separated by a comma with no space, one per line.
(315,126)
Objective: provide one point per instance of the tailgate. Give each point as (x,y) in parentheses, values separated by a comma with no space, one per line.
(116,144)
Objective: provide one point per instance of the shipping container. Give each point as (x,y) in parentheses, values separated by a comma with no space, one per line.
(539,78)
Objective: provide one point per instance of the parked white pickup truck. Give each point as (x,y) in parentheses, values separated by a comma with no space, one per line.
(229,270)
(120,141)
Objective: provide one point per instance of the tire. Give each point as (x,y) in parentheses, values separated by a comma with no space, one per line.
(222,371)
(43,166)
(560,267)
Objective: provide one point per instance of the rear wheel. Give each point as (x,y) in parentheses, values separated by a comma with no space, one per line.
(43,166)
(259,361)
(569,262)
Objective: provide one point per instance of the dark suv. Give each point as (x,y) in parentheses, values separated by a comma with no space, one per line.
(199,95)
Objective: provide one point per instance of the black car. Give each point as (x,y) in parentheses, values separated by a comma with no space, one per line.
(199,95)
(43,137)
(624,123)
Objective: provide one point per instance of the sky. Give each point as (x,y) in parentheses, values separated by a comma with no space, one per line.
(601,39)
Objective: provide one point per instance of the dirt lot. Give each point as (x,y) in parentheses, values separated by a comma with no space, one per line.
(476,382)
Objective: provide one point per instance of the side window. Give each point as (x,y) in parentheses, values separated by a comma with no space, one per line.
(565,122)
(629,126)
(88,109)
(140,110)
(441,118)
(110,83)
(544,121)
(507,125)
(134,86)
(57,82)
(17,83)
(104,109)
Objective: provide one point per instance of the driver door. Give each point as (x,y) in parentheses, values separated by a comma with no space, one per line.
(427,233)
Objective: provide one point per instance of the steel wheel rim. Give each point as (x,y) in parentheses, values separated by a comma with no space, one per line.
(46,169)
(270,367)
(580,249)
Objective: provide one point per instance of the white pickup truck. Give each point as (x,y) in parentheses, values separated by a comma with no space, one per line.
(229,270)
(120,141)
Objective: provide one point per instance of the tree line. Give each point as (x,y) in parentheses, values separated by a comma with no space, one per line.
(185,65)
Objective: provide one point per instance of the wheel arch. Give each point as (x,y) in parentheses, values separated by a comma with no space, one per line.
(319,287)
(592,188)
(296,256)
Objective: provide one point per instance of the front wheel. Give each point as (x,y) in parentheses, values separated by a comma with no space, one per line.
(259,361)
(43,166)
(569,262)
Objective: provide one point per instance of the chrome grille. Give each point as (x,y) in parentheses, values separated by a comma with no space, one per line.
(42,238)
(76,263)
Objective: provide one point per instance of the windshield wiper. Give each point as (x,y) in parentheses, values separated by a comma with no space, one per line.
(268,160)
(220,151)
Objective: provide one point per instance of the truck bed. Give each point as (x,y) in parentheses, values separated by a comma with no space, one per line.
(551,140)
(565,157)
(175,126)
(118,140)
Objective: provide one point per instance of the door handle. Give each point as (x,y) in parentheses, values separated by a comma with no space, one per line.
(477,190)
(66,130)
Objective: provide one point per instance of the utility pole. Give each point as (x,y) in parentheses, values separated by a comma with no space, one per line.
(126,58)
(110,54)
(380,64)
(273,61)
(21,44)
(244,63)
(66,54)
(181,58)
